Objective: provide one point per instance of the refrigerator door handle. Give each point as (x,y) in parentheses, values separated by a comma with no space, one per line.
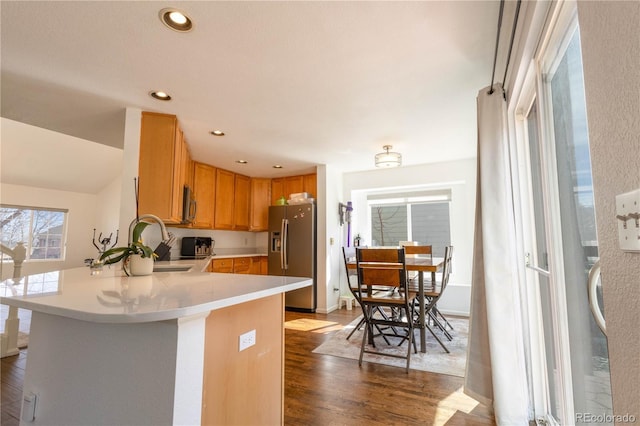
(284,254)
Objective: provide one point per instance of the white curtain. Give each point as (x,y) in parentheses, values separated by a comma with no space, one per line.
(496,370)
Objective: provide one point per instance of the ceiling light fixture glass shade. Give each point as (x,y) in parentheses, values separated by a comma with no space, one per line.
(176,20)
(388,159)
(160,95)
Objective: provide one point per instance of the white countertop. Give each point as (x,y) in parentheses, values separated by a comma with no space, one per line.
(110,297)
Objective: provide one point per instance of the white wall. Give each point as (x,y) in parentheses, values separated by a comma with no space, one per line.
(329,242)
(611,57)
(460,177)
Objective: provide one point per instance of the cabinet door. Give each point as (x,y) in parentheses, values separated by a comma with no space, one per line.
(292,185)
(277,190)
(241,265)
(222,265)
(241,203)
(264,265)
(260,200)
(225,190)
(160,191)
(204,183)
(255,265)
(310,184)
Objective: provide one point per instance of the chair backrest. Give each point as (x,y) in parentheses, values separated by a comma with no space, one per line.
(381,267)
(419,251)
(446,267)
(349,255)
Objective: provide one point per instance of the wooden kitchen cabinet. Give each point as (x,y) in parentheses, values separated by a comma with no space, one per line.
(241,202)
(259,206)
(221,265)
(160,168)
(225,194)
(293,184)
(242,265)
(310,184)
(277,190)
(256,265)
(204,187)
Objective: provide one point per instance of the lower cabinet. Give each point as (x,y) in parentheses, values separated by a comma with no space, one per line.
(256,265)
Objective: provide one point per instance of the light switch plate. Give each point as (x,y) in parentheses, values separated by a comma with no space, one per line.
(628,206)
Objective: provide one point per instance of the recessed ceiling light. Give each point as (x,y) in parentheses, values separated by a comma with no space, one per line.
(242,161)
(217,132)
(277,166)
(160,95)
(176,19)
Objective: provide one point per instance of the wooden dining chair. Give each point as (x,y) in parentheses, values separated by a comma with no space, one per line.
(349,255)
(414,250)
(432,293)
(384,267)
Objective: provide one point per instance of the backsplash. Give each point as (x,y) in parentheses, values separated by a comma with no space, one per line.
(226,242)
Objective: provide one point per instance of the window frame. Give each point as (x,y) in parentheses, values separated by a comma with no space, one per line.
(30,237)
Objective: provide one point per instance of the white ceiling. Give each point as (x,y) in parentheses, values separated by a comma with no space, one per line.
(293,83)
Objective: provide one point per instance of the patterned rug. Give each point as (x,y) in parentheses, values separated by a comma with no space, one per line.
(435,360)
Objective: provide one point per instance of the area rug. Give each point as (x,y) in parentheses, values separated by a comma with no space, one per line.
(435,360)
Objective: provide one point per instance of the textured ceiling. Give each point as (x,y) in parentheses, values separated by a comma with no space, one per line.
(293,83)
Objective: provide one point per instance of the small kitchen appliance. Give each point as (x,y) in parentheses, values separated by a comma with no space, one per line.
(196,247)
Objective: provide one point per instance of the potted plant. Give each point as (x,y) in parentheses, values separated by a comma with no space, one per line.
(137,258)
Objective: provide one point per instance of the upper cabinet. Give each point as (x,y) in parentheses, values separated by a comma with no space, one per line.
(284,187)
(163,167)
(241,203)
(232,201)
(260,201)
(204,186)
(225,197)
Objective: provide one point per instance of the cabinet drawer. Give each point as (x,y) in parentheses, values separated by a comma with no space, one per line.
(241,265)
(222,265)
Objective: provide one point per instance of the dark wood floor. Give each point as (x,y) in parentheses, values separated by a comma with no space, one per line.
(328,390)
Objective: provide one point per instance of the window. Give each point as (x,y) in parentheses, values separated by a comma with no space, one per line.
(41,230)
(422,219)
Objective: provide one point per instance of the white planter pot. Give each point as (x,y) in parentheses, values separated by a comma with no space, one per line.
(139,265)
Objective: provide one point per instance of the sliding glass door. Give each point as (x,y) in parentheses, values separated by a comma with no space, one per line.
(560,236)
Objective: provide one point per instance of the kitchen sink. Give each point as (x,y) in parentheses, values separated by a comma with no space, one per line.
(168,267)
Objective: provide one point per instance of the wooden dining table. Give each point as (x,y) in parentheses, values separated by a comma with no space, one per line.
(421,265)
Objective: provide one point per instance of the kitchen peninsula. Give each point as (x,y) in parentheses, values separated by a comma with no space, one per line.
(171,348)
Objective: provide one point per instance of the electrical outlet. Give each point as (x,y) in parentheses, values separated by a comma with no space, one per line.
(247,340)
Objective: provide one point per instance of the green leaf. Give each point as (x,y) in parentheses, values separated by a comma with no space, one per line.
(137,231)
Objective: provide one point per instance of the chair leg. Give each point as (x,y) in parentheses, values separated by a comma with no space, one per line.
(438,313)
(356,328)
(364,340)
(411,341)
(437,338)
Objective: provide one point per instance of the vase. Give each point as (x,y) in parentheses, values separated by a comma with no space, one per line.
(139,266)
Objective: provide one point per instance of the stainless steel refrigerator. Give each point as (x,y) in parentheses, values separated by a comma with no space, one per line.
(292,250)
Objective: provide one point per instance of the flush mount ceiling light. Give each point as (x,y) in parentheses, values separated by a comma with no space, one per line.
(176,19)
(241,161)
(160,95)
(388,159)
(217,132)
(277,166)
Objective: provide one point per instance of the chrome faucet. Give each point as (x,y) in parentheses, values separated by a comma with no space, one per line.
(165,234)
